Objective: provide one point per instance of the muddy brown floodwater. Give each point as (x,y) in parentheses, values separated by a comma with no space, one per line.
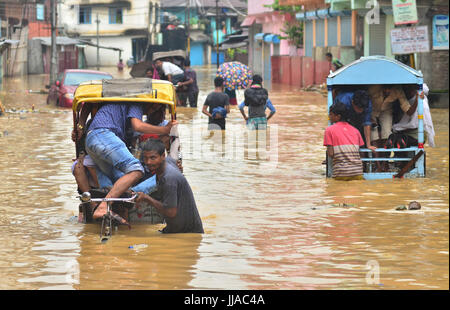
(268,215)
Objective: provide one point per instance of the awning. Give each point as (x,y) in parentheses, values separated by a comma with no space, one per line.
(311,15)
(325,13)
(259,36)
(199,37)
(59,41)
(272,38)
(248,21)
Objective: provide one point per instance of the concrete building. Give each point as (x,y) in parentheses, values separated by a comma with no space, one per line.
(201,22)
(265,45)
(348,29)
(129,25)
(21,21)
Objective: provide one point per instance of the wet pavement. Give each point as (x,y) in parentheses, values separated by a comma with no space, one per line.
(269,213)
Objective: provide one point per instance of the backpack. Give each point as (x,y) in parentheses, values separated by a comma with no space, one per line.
(400,141)
(255,96)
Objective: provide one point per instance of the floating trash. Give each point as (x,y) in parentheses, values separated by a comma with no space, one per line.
(138,247)
(414,205)
(344,205)
(401,208)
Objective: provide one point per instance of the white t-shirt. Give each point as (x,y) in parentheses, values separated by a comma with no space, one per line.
(412,122)
(171,69)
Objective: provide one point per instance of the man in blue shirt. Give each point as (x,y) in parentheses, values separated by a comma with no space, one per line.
(105,143)
(359,107)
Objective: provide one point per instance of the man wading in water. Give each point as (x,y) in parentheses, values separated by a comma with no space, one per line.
(176,200)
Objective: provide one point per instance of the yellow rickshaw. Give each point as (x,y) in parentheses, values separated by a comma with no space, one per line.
(88,97)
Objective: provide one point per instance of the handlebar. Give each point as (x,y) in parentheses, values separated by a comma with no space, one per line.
(86,197)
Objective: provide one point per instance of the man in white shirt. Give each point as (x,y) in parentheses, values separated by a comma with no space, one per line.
(173,73)
(409,124)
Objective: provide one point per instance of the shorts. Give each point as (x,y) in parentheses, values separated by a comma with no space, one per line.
(257,123)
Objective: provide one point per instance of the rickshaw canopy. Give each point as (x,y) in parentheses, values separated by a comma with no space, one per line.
(375,70)
(136,90)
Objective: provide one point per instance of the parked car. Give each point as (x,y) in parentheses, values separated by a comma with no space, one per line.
(61,93)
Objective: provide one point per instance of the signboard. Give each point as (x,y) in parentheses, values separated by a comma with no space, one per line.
(440,32)
(40,9)
(405,12)
(410,40)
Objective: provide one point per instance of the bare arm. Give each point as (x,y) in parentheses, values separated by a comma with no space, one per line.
(188,82)
(77,133)
(413,107)
(330,150)
(205,111)
(243,114)
(270,115)
(143,127)
(367,130)
(167,212)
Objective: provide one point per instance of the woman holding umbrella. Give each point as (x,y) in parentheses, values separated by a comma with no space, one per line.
(235,76)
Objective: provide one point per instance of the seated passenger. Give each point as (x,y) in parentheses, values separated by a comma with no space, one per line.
(359,109)
(383,97)
(409,124)
(343,141)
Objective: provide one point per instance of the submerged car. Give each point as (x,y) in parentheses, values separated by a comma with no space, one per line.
(61,93)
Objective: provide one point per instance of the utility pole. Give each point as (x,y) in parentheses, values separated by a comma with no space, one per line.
(188,25)
(54,51)
(98,47)
(217,32)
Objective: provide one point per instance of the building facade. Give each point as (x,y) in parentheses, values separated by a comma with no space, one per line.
(350,29)
(206,24)
(266,48)
(21,21)
(123,29)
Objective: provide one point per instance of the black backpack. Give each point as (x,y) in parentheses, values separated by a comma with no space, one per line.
(256,96)
(400,141)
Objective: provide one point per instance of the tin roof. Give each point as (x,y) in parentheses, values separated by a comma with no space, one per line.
(375,70)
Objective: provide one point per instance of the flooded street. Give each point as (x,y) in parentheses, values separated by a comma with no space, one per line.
(268,216)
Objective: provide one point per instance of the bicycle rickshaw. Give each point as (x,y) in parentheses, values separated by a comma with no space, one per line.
(382,70)
(88,97)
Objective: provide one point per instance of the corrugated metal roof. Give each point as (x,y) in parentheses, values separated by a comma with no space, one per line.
(59,41)
(238,4)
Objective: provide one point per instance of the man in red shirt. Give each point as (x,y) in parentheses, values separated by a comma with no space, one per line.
(343,141)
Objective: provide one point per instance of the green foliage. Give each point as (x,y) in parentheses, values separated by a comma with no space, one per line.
(284,8)
(231,52)
(294,33)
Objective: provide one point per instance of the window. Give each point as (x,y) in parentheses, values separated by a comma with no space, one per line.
(40,9)
(115,15)
(84,16)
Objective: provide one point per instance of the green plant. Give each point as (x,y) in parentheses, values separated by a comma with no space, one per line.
(294,33)
(283,8)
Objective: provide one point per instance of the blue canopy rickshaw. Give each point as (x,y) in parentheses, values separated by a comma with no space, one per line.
(382,70)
